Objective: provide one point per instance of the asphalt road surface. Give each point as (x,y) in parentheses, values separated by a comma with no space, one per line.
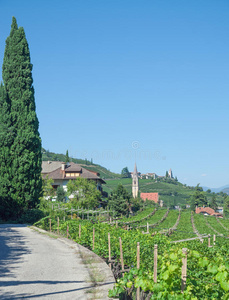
(36,266)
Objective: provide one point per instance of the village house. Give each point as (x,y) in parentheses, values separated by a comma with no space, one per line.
(155,176)
(208,211)
(149,176)
(150,196)
(62,172)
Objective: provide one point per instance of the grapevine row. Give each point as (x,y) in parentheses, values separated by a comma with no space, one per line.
(171,230)
(220,234)
(222,224)
(194,228)
(208,268)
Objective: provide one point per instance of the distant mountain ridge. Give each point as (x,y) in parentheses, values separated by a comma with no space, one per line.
(224,189)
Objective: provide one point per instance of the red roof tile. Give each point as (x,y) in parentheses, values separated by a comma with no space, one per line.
(149,196)
(207,210)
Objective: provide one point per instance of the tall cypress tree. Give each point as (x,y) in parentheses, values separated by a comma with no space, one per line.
(23,143)
(67,159)
(6,139)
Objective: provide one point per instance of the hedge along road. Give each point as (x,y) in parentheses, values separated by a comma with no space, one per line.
(38,266)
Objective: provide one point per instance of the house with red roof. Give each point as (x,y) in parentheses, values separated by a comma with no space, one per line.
(150,196)
(208,211)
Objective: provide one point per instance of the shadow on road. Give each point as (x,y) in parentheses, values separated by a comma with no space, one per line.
(8,295)
(13,246)
(14,283)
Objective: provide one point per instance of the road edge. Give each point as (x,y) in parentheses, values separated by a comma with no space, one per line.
(100,273)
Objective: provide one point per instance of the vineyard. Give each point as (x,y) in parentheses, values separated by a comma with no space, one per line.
(157,254)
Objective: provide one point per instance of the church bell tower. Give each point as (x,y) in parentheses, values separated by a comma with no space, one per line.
(135,182)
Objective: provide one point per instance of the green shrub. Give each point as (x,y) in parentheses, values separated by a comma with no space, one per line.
(31,216)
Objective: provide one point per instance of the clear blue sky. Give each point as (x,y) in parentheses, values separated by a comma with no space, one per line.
(126,80)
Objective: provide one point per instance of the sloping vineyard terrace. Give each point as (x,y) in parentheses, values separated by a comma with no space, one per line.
(207,268)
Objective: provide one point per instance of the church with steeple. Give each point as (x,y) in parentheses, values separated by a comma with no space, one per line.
(147,196)
(135,186)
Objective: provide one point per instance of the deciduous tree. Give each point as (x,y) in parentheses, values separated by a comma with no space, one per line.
(213,204)
(125,173)
(48,190)
(83,193)
(199,196)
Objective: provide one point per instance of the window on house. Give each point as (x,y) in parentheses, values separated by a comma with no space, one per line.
(72,174)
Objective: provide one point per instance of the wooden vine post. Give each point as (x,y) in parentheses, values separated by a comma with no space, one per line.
(116,224)
(79,231)
(93,241)
(67,231)
(121,255)
(209,240)
(58,225)
(155,264)
(109,248)
(184,270)
(50,225)
(138,255)
(138,267)
(147,227)
(214,239)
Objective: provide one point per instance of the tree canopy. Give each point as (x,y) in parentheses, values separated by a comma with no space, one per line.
(67,159)
(60,194)
(226,207)
(199,197)
(213,204)
(83,193)
(125,173)
(20,145)
(119,201)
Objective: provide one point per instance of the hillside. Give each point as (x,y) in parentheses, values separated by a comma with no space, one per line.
(104,173)
(174,193)
(170,193)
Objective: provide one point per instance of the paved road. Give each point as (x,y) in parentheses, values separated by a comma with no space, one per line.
(35,266)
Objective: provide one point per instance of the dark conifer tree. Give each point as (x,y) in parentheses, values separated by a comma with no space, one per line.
(6,140)
(22,150)
(213,204)
(119,201)
(67,159)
